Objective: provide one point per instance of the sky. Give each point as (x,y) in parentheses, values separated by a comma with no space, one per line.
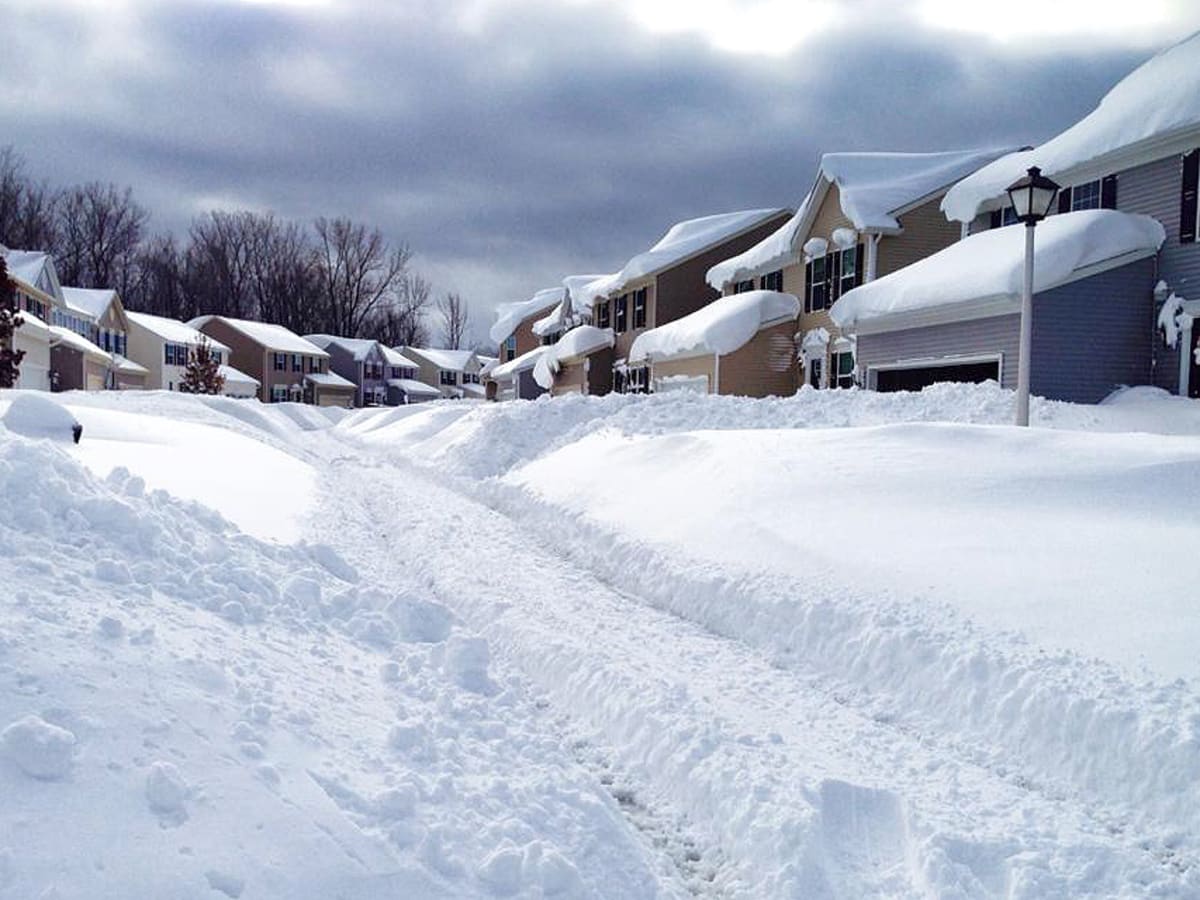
(512,142)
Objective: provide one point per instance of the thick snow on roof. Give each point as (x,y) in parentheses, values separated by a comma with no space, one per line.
(412,386)
(92,302)
(874,185)
(771,253)
(173,330)
(273,337)
(527,360)
(991,264)
(510,315)
(579,300)
(32,325)
(396,358)
(1159,98)
(60,335)
(683,240)
(718,328)
(329,379)
(128,366)
(575,343)
(237,376)
(360,348)
(451,360)
(552,321)
(35,268)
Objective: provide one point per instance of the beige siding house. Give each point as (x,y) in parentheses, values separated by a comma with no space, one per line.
(164,346)
(868,214)
(454,372)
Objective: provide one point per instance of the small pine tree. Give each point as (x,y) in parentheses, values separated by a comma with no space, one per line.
(10,321)
(202,375)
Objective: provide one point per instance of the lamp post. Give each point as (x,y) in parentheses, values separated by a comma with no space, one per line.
(1031,198)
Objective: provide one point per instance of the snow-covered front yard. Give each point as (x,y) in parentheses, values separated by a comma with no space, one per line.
(835,645)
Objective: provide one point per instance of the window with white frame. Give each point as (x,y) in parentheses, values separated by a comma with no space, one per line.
(621,313)
(639,308)
(1085,196)
(510,348)
(447,377)
(603,314)
(279,393)
(843,369)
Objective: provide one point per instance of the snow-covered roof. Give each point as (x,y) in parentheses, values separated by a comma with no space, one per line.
(60,335)
(575,286)
(775,251)
(552,321)
(173,330)
(683,241)
(450,360)
(128,366)
(273,337)
(721,327)
(35,268)
(990,265)
(412,386)
(360,348)
(1158,101)
(522,363)
(329,379)
(33,325)
(237,376)
(510,315)
(396,358)
(476,389)
(91,302)
(873,186)
(576,343)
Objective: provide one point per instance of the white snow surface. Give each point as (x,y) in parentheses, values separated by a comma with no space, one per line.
(991,264)
(575,297)
(34,414)
(1158,99)
(682,240)
(574,344)
(527,360)
(721,327)
(61,335)
(839,644)
(451,360)
(236,376)
(35,268)
(510,315)
(92,302)
(273,337)
(174,331)
(773,252)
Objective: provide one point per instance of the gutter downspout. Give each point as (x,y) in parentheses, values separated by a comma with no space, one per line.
(716,373)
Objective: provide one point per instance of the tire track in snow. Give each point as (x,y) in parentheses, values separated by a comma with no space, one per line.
(806,795)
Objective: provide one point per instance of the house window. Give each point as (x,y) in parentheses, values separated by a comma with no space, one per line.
(297,363)
(816,366)
(844,369)
(631,380)
(548,339)
(621,313)
(816,287)
(742,286)
(772,281)
(603,315)
(639,308)
(447,377)
(279,393)
(848,270)
(216,355)
(510,348)
(280,362)
(1086,196)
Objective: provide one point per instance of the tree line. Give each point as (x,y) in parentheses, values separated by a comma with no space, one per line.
(332,276)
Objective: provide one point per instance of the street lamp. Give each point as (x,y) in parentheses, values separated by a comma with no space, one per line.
(1031,198)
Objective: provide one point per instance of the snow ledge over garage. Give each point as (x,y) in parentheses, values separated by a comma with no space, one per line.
(576,343)
(719,328)
(1159,98)
(991,264)
(510,315)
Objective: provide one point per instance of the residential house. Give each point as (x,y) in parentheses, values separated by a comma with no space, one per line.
(1138,152)
(36,284)
(98,315)
(454,372)
(513,333)
(653,288)
(286,366)
(164,346)
(955,315)
(739,344)
(383,376)
(867,214)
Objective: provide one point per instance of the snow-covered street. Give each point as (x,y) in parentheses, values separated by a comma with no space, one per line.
(624,647)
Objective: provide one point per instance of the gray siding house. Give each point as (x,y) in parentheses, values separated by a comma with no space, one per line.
(381,376)
(1137,152)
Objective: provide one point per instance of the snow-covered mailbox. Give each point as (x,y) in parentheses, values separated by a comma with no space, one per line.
(954,316)
(739,344)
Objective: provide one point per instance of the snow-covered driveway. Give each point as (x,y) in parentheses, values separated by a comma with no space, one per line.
(802,789)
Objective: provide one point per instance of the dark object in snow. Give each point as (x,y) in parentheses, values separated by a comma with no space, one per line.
(35,415)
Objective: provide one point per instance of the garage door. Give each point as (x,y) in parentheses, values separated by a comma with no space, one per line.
(915,379)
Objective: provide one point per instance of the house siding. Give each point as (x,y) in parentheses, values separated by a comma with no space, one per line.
(692,367)
(764,366)
(245,355)
(926,230)
(996,335)
(571,379)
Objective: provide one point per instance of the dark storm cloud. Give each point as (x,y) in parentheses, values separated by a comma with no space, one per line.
(547,140)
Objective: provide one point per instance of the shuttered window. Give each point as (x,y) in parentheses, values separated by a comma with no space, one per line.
(639,308)
(773,281)
(742,286)
(1187,200)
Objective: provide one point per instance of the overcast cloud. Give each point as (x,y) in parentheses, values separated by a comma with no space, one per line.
(511,143)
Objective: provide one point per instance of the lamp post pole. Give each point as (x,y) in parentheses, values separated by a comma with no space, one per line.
(1025,350)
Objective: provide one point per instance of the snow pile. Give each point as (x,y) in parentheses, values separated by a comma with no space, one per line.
(575,344)
(1158,99)
(721,327)
(682,240)
(36,415)
(874,185)
(552,321)
(773,252)
(510,315)
(990,265)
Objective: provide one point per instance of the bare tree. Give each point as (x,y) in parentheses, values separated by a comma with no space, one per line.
(400,322)
(284,274)
(27,210)
(99,228)
(453,312)
(358,273)
(218,273)
(159,287)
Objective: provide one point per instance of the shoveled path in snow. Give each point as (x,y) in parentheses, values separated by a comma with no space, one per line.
(804,794)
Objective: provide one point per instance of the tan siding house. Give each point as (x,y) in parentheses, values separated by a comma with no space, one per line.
(278,359)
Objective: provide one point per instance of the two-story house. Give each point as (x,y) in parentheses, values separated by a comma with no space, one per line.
(519,344)
(653,288)
(1120,313)
(286,366)
(383,376)
(35,282)
(866,215)
(98,315)
(164,346)
(456,373)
